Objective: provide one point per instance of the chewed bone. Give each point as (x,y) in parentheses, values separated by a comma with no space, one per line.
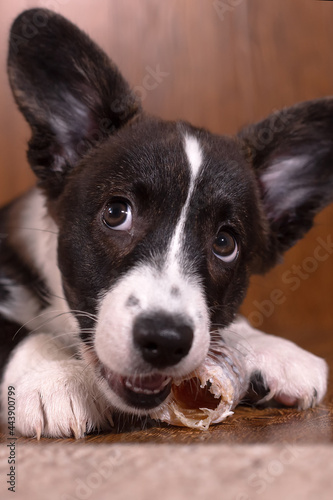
(208,395)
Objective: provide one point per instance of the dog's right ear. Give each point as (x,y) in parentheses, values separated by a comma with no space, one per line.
(291,152)
(71,94)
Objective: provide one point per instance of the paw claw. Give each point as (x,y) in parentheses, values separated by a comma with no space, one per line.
(270,395)
(78,430)
(39,432)
(83,429)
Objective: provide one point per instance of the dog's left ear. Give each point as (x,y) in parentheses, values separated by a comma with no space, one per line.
(292,155)
(69,91)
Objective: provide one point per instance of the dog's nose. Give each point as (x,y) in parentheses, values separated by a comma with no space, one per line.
(163,340)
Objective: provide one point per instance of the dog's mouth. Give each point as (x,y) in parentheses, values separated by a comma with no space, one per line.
(142,391)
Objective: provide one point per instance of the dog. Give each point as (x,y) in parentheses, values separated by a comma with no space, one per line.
(136,246)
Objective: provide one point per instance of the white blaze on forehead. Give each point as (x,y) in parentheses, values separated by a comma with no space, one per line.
(195,158)
(194,155)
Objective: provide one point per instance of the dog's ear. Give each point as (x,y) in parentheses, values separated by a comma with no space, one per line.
(292,156)
(71,94)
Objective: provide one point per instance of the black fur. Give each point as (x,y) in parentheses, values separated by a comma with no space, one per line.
(11,334)
(257,389)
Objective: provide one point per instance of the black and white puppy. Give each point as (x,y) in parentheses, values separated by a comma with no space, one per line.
(136,247)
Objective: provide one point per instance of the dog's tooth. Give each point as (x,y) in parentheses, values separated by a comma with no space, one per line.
(129,385)
(142,390)
(165,383)
(134,388)
(150,391)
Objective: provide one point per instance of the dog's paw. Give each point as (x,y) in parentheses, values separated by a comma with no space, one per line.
(60,399)
(291,375)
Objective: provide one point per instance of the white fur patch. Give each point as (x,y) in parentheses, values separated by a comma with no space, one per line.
(38,234)
(113,340)
(194,154)
(278,174)
(284,177)
(56,394)
(291,373)
(195,158)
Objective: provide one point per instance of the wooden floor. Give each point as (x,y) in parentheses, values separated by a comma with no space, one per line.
(247,425)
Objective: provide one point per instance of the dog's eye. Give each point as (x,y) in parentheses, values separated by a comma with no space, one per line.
(118,215)
(225,247)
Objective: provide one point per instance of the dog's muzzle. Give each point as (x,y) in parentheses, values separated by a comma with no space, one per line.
(162,341)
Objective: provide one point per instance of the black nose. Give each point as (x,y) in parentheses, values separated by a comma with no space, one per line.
(163,340)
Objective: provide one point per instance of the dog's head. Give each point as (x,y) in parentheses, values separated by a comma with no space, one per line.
(160,224)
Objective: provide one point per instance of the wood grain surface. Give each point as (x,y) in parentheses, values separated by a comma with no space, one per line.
(224,67)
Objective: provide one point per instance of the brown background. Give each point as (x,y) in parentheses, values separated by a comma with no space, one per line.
(226,67)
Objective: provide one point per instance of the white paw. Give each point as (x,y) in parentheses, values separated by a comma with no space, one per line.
(293,376)
(59,399)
